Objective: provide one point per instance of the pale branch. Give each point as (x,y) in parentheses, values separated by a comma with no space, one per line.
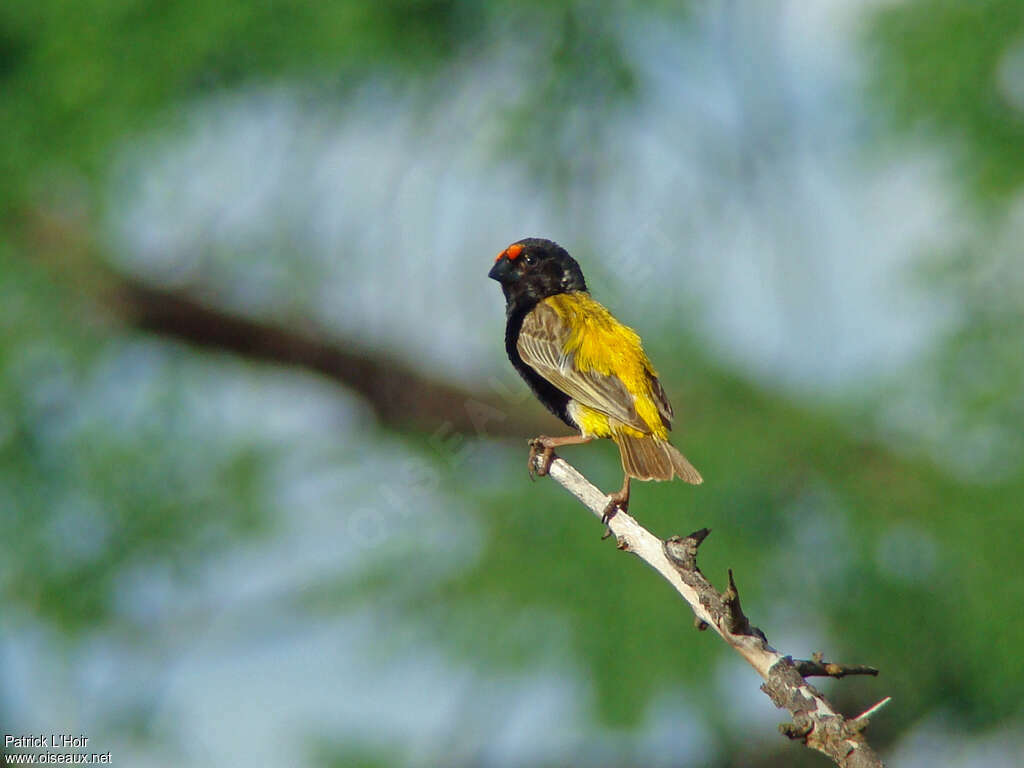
(815,723)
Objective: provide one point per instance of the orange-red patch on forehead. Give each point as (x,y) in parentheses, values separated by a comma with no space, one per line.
(511,252)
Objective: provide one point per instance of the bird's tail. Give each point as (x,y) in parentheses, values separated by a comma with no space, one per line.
(650,458)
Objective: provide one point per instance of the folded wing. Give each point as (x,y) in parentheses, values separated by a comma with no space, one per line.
(541,344)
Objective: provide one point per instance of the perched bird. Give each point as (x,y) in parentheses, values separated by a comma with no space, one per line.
(589,369)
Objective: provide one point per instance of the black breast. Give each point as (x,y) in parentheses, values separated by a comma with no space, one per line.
(554,399)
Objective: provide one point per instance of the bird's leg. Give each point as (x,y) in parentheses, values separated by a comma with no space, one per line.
(545,446)
(616,501)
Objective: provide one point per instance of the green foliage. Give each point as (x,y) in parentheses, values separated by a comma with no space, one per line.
(78,77)
(102,476)
(938,67)
(954,73)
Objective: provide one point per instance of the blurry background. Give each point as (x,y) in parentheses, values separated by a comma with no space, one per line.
(263,497)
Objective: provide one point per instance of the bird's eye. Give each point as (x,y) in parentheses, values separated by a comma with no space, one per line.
(529,259)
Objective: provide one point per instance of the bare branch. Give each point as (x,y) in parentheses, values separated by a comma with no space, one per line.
(815,721)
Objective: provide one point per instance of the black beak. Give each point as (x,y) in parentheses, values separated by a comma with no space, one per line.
(501,271)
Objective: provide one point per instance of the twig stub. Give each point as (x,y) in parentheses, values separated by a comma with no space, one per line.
(816,667)
(736,621)
(683,552)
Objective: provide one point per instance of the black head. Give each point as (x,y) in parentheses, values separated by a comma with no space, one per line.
(532,269)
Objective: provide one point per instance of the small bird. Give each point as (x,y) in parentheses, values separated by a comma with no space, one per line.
(585,366)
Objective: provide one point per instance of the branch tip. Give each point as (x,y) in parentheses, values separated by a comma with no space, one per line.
(860,722)
(697,537)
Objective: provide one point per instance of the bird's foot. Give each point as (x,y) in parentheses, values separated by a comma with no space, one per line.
(545,446)
(614,504)
(542,446)
(616,501)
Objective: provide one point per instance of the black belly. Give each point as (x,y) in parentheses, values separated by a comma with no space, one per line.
(554,399)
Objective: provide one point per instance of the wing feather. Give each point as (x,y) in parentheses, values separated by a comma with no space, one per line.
(541,344)
(661,400)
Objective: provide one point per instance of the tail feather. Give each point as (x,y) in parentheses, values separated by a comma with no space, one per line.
(684,470)
(644,458)
(648,458)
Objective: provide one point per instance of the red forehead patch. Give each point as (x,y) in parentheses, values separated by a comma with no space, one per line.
(512,252)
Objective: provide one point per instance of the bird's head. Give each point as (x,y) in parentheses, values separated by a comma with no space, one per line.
(532,269)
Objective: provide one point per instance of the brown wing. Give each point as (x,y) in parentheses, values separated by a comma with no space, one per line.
(541,341)
(661,400)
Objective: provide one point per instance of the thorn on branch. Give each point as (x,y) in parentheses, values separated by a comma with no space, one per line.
(861,721)
(724,608)
(735,621)
(698,536)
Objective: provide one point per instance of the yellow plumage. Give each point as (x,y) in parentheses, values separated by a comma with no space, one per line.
(599,343)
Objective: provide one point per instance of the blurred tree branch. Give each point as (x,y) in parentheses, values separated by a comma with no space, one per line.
(399,396)
(815,721)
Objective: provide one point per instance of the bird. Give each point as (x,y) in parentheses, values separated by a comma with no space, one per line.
(585,366)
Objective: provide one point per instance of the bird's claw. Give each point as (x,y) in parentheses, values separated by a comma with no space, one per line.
(547,455)
(609,511)
(616,501)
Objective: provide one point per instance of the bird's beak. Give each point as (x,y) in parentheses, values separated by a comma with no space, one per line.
(501,271)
